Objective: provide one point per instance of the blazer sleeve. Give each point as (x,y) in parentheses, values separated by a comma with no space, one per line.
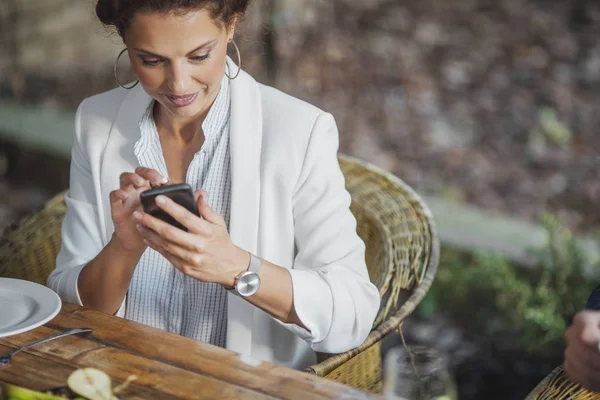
(81,229)
(333,295)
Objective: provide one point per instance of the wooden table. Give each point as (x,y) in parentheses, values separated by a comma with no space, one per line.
(168,366)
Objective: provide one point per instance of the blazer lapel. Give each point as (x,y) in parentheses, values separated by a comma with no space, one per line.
(119,156)
(245,147)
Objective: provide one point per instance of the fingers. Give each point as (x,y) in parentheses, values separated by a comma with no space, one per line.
(572,333)
(582,357)
(116,200)
(126,198)
(185,261)
(118,196)
(151,175)
(174,260)
(125,201)
(128,181)
(163,233)
(183,216)
(588,356)
(189,252)
(205,211)
(141,178)
(588,323)
(590,335)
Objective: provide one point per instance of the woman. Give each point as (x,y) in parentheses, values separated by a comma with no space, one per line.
(273,201)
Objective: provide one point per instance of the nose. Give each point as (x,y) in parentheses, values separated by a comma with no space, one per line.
(178,79)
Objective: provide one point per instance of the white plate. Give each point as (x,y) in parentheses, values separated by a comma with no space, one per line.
(25,305)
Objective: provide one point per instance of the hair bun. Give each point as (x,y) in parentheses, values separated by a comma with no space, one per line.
(108,11)
(119,13)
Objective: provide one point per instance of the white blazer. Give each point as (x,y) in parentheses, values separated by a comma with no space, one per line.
(289,206)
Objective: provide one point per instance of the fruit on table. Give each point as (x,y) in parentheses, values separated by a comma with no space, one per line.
(91,383)
(12,392)
(88,383)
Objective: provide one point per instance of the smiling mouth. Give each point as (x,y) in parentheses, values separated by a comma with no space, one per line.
(182,100)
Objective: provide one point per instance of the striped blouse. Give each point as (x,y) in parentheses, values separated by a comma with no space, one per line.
(160,295)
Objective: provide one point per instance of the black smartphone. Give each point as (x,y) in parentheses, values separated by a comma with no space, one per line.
(180,193)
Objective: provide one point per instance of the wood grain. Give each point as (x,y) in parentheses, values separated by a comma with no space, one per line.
(42,374)
(168,366)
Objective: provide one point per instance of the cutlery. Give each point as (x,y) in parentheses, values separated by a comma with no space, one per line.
(5,359)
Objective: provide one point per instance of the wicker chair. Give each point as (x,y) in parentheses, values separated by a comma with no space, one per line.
(402,256)
(28,250)
(558,386)
(402,252)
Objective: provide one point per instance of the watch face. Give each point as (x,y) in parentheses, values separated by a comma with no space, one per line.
(248,284)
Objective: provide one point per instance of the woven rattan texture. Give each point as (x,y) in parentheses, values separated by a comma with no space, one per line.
(28,250)
(557,386)
(402,256)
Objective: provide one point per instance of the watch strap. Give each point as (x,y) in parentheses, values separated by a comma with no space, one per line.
(254,266)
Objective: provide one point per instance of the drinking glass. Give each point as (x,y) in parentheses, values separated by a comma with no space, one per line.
(417,373)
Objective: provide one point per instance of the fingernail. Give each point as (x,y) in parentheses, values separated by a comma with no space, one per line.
(123,195)
(161,199)
(137,215)
(165,180)
(139,181)
(140,228)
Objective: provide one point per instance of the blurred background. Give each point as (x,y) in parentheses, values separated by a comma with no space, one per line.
(489,109)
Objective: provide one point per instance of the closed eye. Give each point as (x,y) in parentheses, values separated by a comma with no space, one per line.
(150,62)
(201,58)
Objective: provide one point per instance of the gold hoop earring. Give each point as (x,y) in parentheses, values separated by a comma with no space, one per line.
(117,75)
(239,61)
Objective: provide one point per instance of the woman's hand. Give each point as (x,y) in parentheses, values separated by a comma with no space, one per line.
(582,356)
(125,200)
(205,252)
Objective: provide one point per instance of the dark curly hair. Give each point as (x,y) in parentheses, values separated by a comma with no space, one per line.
(119,13)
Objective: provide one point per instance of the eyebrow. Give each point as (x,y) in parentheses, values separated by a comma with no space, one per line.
(191,52)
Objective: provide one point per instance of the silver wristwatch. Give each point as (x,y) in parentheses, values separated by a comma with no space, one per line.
(248,282)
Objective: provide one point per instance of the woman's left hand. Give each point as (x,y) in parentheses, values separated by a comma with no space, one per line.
(205,252)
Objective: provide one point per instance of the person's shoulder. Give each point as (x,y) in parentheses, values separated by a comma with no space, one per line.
(104,105)
(95,116)
(281,107)
(290,125)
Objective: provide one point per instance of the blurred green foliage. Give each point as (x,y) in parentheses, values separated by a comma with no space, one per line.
(535,304)
(556,131)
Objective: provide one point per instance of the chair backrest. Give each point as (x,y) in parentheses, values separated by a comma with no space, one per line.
(28,250)
(401,243)
(402,246)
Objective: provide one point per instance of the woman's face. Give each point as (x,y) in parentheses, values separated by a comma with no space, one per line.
(179,59)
